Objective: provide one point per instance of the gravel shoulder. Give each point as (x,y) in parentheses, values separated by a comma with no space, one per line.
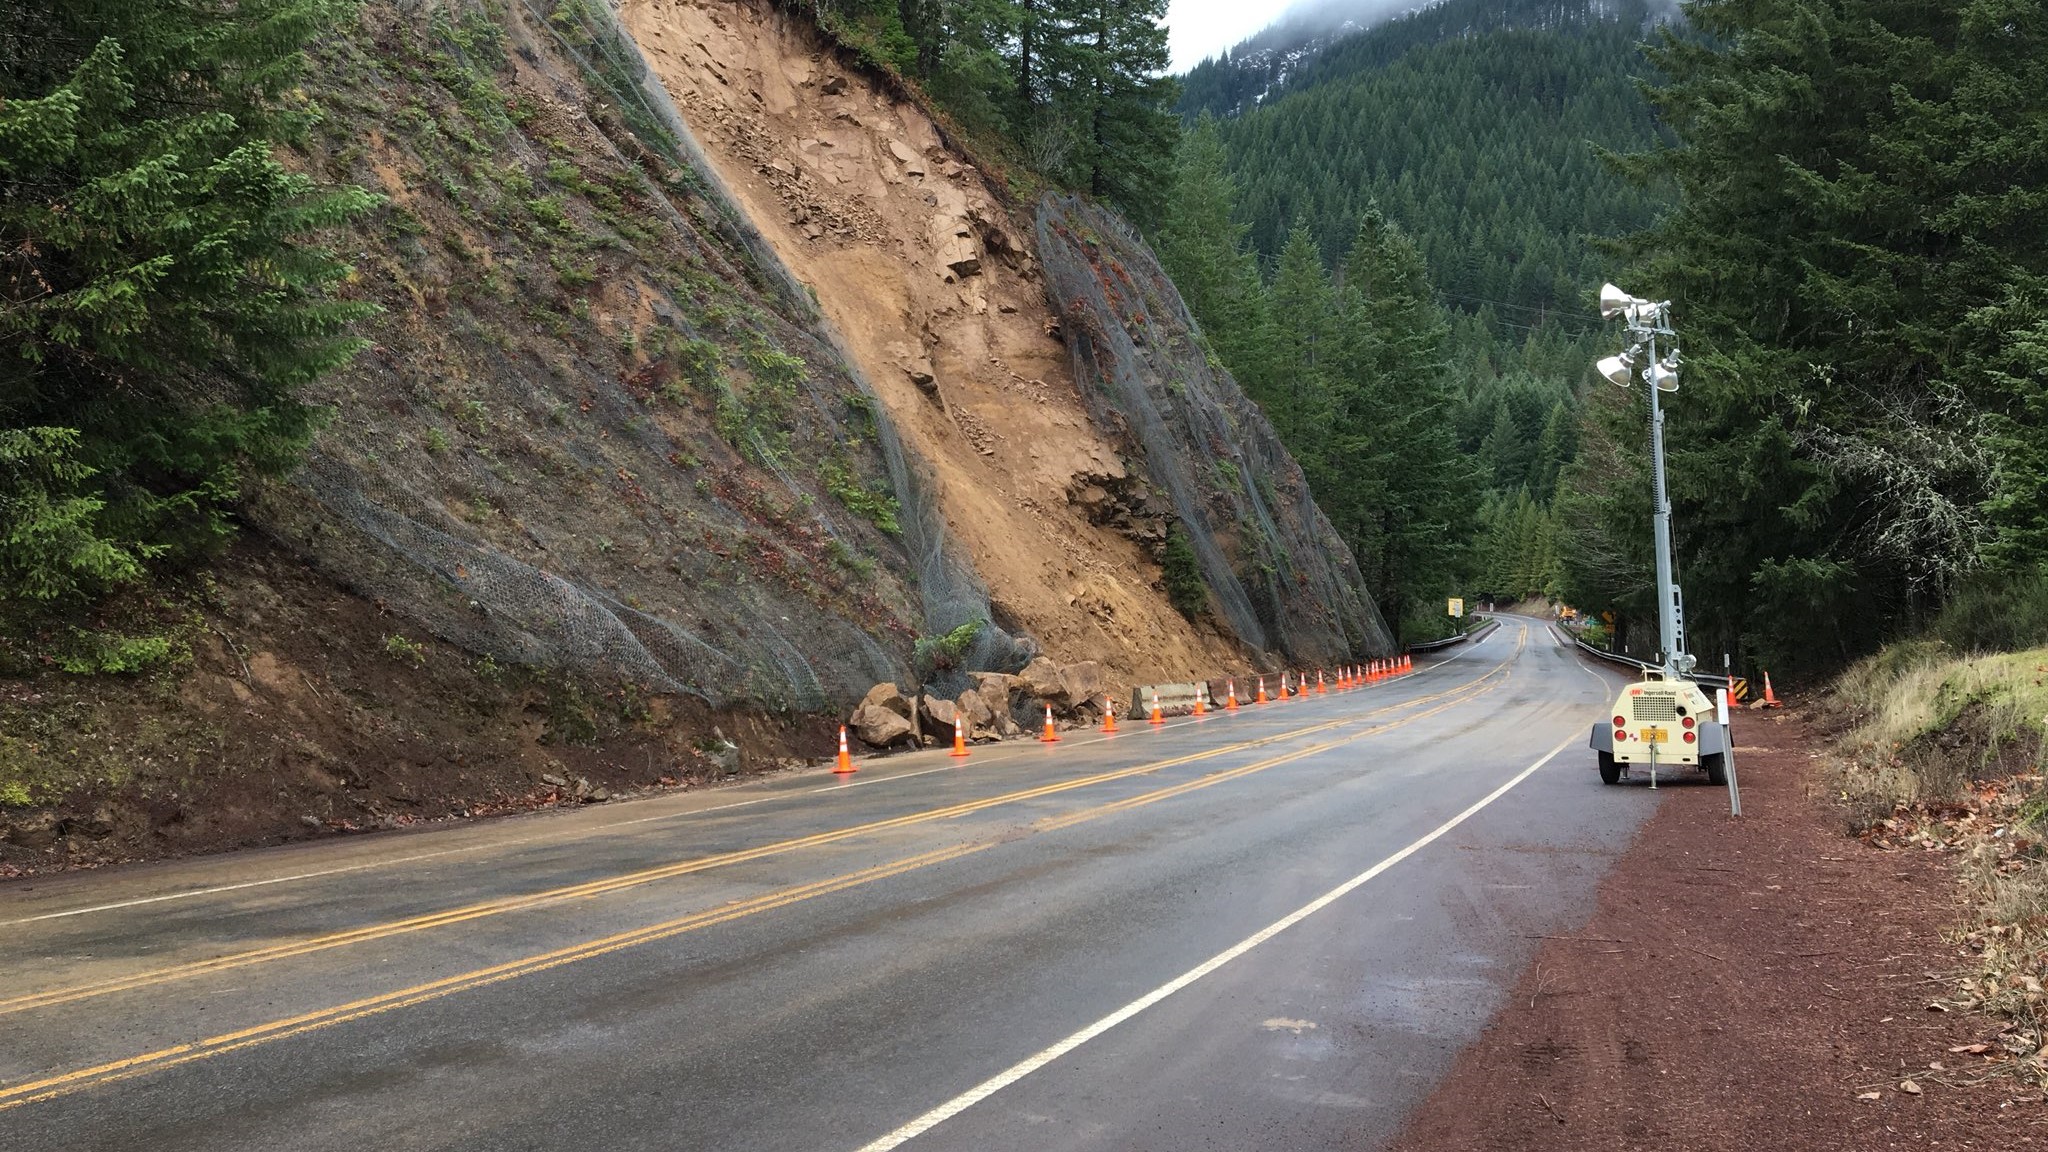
(1741,983)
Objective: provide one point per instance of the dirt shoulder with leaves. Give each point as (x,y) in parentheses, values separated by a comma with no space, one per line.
(1773,980)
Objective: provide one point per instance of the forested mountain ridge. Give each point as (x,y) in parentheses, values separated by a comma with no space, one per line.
(1478,125)
(1246,73)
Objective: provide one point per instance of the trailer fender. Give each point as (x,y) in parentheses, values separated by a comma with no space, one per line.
(1603,739)
(1713,738)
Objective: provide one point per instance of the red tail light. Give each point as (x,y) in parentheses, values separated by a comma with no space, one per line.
(1689,737)
(1688,721)
(1621,722)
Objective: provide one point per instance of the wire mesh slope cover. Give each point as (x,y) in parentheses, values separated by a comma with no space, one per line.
(1280,575)
(663,470)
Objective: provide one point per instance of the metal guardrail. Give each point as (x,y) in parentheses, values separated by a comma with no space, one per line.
(1446,642)
(1736,685)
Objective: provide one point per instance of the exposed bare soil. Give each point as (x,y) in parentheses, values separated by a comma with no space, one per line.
(924,273)
(1744,984)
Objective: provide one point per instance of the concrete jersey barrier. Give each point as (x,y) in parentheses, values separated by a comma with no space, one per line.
(1173,698)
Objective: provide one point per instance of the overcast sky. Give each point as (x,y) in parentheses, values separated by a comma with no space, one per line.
(1200,28)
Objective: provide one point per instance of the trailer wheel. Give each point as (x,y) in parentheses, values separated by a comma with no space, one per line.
(1610,772)
(1716,764)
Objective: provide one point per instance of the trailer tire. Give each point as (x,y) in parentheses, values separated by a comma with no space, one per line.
(1716,764)
(1610,772)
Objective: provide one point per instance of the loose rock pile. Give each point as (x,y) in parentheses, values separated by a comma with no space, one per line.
(999,706)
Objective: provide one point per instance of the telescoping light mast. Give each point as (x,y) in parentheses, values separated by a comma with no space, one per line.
(1646,321)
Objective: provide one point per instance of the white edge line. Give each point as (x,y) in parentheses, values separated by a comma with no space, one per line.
(1033,1063)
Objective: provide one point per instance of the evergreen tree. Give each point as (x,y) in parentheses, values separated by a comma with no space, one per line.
(1555,446)
(1106,60)
(1395,355)
(1305,329)
(164,303)
(1501,452)
(965,55)
(1197,241)
(1203,250)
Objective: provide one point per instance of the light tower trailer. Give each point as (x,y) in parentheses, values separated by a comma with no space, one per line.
(1661,723)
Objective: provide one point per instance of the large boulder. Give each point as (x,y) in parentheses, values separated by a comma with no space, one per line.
(880,727)
(940,717)
(999,690)
(975,709)
(995,687)
(1041,678)
(1081,683)
(888,696)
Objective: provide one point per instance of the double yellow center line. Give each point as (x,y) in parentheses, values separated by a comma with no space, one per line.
(30,1092)
(503,905)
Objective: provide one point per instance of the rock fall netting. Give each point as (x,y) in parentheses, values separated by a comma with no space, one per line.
(1280,576)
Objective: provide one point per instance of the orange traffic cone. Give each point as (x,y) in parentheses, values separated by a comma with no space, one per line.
(1158,717)
(1108,714)
(1321,688)
(1770,697)
(1262,692)
(959,751)
(1283,686)
(1231,705)
(1051,735)
(1201,698)
(845,764)
(1407,663)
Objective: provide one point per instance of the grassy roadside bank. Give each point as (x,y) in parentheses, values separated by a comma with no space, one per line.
(1941,751)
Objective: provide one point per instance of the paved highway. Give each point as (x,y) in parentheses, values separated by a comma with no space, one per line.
(1269,929)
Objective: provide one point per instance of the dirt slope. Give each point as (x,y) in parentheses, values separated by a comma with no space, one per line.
(931,287)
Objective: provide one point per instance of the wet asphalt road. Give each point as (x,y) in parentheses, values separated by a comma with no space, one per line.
(801,963)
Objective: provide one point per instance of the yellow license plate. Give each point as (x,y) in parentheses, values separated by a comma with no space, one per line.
(1656,736)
